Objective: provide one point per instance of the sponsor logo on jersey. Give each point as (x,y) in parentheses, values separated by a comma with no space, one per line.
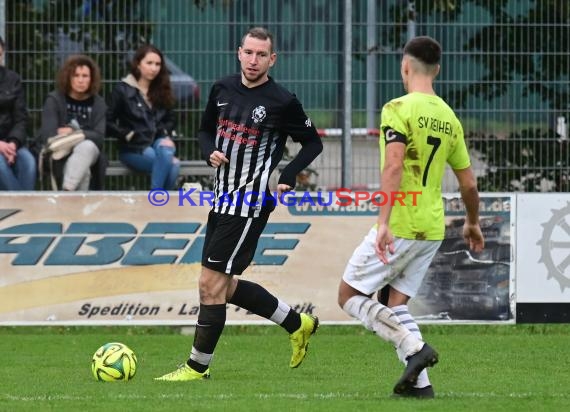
(258,114)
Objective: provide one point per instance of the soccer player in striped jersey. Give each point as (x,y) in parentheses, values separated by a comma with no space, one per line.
(420,134)
(242,135)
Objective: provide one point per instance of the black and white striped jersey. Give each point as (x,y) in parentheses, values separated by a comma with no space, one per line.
(250,126)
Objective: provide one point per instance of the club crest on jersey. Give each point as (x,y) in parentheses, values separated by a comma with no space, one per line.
(258,114)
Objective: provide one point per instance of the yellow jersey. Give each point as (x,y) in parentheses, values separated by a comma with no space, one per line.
(433,137)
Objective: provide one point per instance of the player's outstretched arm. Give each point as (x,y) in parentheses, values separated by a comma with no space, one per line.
(390,181)
(470,195)
(207,130)
(301,129)
(310,149)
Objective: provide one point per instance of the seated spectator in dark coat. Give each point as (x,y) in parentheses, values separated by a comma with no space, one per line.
(141,117)
(76,105)
(17,164)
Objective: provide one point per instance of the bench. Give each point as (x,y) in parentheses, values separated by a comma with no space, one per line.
(197,170)
(187,168)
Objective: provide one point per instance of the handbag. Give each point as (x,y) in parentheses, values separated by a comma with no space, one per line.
(56,148)
(61,145)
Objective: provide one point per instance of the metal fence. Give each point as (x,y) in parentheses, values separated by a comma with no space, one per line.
(505,70)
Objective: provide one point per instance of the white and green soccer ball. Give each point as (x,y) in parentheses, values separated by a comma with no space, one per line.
(114,362)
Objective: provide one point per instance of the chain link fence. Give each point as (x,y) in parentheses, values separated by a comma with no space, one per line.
(505,70)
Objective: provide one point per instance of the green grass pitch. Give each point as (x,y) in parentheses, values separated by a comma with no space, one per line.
(482,367)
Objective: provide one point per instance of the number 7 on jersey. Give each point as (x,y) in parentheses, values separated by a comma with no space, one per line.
(435,142)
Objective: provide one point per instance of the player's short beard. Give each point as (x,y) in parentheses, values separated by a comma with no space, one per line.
(257,78)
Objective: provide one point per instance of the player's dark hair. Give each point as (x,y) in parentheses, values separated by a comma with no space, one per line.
(425,49)
(260,33)
(2,43)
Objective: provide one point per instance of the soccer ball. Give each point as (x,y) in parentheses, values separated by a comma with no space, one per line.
(114,362)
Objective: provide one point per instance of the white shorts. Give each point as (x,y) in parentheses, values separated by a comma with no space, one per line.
(404,272)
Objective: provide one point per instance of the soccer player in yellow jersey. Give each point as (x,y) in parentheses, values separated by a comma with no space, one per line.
(420,135)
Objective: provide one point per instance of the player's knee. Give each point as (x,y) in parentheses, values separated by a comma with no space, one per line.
(213,287)
(344,293)
(396,298)
(340,301)
(384,295)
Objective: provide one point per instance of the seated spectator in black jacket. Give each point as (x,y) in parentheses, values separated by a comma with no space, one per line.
(75,104)
(17,164)
(141,117)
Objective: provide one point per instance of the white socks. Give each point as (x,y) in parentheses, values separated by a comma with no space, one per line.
(409,322)
(384,322)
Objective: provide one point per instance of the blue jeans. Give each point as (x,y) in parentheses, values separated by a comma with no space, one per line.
(157,160)
(21,175)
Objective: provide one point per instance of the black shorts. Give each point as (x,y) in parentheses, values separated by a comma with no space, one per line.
(230,242)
